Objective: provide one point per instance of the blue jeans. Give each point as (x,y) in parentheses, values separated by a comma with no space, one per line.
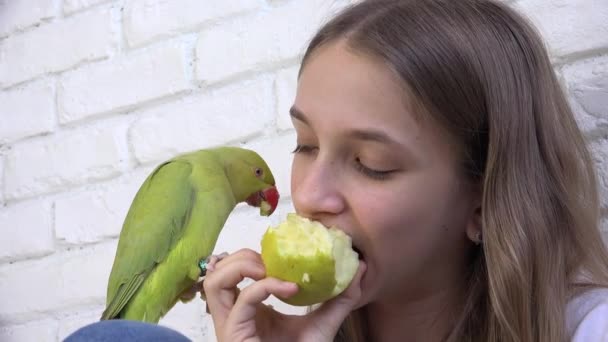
(123,330)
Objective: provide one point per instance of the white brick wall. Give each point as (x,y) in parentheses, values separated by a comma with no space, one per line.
(56,162)
(30,331)
(47,287)
(1,180)
(123,83)
(588,83)
(28,231)
(177,16)
(23,117)
(95,93)
(108,203)
(16,15)
(286,91)
(571,27)
(70,6)
(203,120)
(56,46)
(599,148)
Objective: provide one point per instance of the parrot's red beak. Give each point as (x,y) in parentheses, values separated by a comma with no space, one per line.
(267,200)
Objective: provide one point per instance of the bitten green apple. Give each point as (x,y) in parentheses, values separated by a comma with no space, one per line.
(319,259)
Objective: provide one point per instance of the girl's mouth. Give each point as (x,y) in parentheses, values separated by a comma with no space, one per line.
(358,252)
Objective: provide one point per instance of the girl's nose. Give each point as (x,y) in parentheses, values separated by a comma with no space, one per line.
(316,189)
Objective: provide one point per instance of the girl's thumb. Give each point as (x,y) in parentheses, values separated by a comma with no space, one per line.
(333,312)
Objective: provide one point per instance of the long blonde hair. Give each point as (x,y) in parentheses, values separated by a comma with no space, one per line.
(481,71)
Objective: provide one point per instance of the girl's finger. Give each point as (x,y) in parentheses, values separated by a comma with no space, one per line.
(221,284)
(213,260)
(248,301)
(242,254)
(333,312)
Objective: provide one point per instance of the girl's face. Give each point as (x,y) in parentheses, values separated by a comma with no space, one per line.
(386,176)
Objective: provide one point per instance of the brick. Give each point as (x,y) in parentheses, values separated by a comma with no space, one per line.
(210,119)
(27,111)
(599,151)
(16,15)
(259,40)
(73,279)
(276,151)
(56,46)
(173,17)
(588,83)
(70,6)
(108,205)
(587,123)
(286,85)
(27,230)
(44,330)
(67,159)
(1,180)
(569,27)
(123,83)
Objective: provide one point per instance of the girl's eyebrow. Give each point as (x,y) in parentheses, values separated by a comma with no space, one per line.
(298,115)
(373,135)
(358,134)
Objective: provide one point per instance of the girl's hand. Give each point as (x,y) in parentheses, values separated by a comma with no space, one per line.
(241,315)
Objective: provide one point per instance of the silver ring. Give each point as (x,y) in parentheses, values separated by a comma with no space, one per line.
(203,265)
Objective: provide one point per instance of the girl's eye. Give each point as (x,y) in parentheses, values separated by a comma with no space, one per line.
(359,166)
(303,149)
(371,173)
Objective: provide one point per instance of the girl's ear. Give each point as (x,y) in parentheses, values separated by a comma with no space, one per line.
(474,229)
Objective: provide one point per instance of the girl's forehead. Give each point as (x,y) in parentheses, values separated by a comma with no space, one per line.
(349,69)
(340,86)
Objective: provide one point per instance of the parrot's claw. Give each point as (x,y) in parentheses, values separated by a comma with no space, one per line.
(190,293)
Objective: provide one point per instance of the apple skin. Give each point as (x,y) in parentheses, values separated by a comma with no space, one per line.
(307,253)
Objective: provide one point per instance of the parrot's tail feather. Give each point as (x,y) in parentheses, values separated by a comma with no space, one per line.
(122,297)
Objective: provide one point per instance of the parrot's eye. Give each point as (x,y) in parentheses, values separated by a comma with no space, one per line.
(259,172)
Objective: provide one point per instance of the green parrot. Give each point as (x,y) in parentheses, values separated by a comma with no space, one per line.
(174,223)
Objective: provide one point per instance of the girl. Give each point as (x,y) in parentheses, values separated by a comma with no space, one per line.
(435,133)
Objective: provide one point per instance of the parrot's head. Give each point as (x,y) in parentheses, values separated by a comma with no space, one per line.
(251,179)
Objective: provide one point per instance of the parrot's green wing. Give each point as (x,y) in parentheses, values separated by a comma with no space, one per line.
(154,223)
